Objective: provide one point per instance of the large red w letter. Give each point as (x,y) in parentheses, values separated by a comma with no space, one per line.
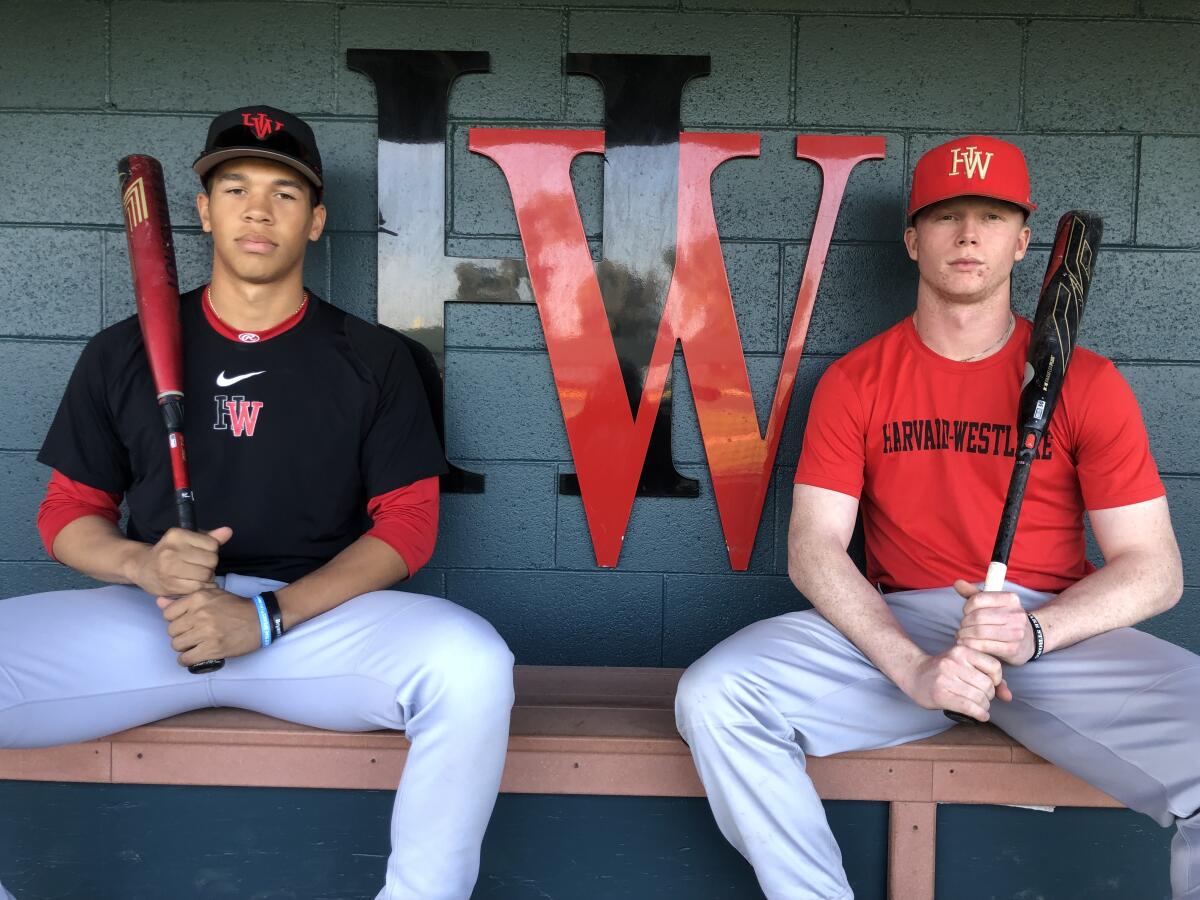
(608,442)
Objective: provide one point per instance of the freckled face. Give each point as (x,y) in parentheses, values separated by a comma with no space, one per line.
(965,248)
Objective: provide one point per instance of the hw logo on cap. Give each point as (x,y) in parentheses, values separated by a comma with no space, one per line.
(262,124)
(972,161)
(974,165)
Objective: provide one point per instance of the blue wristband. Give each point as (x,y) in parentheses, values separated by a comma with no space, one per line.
(264,621)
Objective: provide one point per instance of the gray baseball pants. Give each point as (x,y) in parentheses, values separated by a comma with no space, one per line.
(1120,710)
(76,665)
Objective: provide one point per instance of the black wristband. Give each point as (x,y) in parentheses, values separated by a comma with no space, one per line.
(274,614)
(1039,639)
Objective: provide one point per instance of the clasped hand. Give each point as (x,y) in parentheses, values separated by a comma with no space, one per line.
(203,621)
(967,677)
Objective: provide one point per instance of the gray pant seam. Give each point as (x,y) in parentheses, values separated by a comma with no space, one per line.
(731,723)
(16,687)
(1144,690)
(1162,788)
(378,628)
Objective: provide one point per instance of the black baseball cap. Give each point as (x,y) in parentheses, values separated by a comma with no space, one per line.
(266,132)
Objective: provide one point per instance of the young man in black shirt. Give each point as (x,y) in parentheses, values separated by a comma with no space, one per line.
(315,466)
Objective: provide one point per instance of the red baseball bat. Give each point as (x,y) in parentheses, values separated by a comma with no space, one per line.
(156,288)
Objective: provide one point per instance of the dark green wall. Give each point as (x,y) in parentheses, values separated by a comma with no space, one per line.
(1104,103)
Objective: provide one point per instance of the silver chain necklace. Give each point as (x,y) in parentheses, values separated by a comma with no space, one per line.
(1012,324)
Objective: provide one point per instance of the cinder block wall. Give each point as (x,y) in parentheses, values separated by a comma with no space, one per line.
(1102,97)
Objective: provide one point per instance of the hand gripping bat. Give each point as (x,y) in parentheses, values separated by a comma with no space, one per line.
(1055,329)
(156,287)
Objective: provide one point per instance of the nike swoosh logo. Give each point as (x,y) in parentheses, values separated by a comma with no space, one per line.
(222,381)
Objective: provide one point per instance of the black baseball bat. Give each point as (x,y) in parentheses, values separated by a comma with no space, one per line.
(1055,330)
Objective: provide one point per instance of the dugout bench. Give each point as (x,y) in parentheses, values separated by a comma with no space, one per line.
(575,730)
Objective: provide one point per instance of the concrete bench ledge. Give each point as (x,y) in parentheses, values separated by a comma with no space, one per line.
(575,730)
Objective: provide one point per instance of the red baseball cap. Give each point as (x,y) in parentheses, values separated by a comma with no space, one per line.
(975,165)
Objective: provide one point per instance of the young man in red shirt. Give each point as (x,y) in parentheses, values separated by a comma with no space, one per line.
(916,428)
(315,466)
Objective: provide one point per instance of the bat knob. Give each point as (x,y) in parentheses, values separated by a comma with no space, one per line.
(212,665)
(960,718)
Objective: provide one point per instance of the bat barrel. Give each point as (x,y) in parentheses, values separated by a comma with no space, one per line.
(152,261)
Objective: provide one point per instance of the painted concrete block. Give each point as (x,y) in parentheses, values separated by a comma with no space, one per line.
(1170,400)
(568,619)
(350,153)
(1033,7)
(700,611)
(81,186)
(1180,624)
(812,367)
(74,31)
(864,73)
(426,581)
(864,290)
(665,534)
(798,6)
(35,376)
(525,46)
(22,484)
(50,282)
(1146,72)
(482,204)
(503,406)
(1169,192)
(354,274)
(511,525)
(498,326)
(607,4)
(1079,171)
(753,273)
(1171,9)
(1134,308)
(775,196)
(751,59)
(280,55)
(1183,494)
(22,578)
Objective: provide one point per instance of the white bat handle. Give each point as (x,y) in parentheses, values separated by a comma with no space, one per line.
(995,576)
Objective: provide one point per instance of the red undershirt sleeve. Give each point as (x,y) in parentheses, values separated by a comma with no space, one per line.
(67,500)
(406,519)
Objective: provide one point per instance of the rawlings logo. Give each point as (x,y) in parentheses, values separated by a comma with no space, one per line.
(262,124)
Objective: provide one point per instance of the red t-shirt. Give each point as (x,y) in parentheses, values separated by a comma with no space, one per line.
(927,445)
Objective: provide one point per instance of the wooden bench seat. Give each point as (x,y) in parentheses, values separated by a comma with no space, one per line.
(575,730)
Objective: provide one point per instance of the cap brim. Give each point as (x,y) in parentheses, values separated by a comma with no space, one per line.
(206,163)
(1028,207)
